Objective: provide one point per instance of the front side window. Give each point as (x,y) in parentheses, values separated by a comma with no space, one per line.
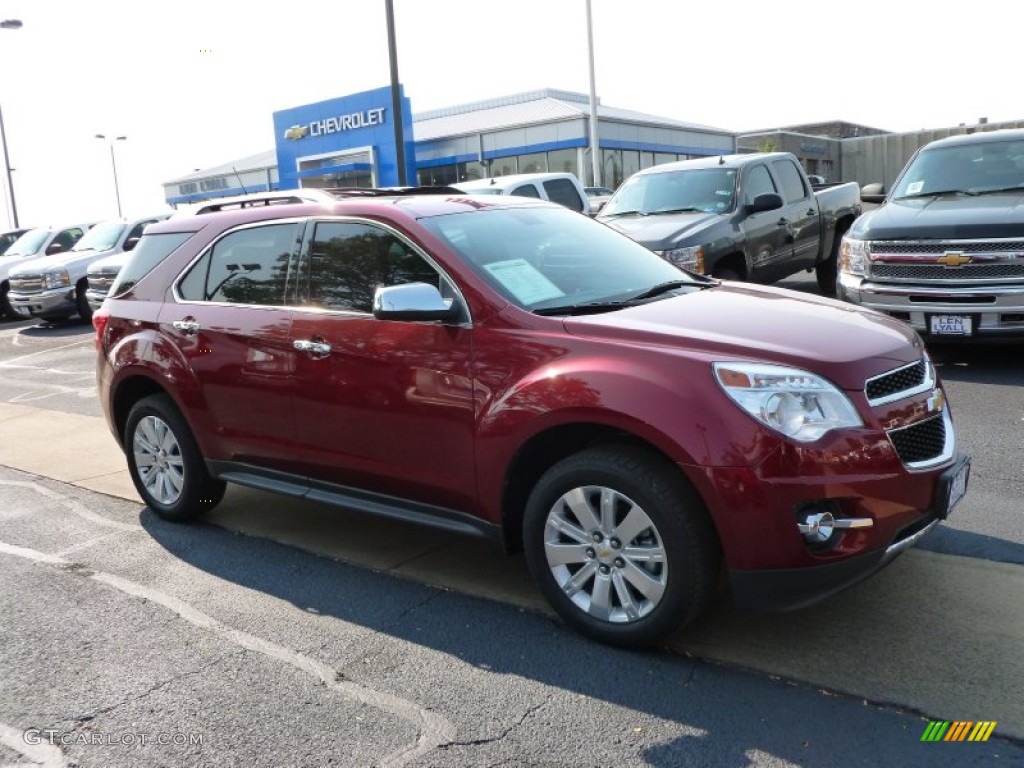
(525,190)
(350,260)
(758,182)
(248,266)
(790,179)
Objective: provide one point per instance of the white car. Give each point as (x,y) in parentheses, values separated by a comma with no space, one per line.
(562,188)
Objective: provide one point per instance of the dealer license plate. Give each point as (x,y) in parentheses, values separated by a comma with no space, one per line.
(956,487)
(950,325)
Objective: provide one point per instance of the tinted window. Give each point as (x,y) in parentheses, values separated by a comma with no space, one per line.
(67,237)
(526,190)
(151,250)
(563,192)
(790,179)
(249,266)
(758,182)
(350,260)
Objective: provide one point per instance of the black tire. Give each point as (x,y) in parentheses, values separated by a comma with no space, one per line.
(827,272)
(6,309)
(82,302)
(679,527)
(197,491)
(727,273)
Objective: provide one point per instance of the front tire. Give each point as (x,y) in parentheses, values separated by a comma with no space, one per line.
(621,545)
(165,463)
(82,302)
(827,272)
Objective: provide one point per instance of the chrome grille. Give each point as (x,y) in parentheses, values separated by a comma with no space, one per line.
(939,247)
(101,282)
(997,271)
(922,441)
(899,383)
(27,284)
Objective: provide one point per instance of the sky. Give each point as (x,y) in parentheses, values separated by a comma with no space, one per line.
(194,84)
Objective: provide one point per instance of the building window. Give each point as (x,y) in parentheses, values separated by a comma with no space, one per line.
(503,166)
(533,163)
(611,167)
(630,163)
(563,161)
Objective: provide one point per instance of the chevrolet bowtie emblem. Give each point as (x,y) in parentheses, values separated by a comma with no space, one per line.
(953,259)
(936,401)
(296,132)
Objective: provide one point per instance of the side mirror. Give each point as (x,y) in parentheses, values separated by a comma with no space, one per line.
(54,248)
(130,243)
(769,201)
(412,301)
(872,193)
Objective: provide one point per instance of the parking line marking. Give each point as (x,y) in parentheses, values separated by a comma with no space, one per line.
(44,755)
(6,363)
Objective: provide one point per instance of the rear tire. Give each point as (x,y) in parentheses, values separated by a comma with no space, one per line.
(621,545)
(82,302)
(6,309)
(827,272)
(165,463)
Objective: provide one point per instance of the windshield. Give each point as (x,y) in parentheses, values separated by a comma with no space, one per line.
(709,189)
(102,237)
(539,258)
(987,166)
(28,243)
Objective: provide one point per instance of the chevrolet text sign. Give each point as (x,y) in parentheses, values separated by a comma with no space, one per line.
(363,119)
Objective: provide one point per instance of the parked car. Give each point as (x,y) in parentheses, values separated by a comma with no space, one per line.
(507,368)
(945,249)
(562,188)
(7,238)
(749,217)
(55,287)
(43,241)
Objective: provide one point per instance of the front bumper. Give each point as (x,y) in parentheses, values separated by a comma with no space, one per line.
(995,312)
(95,299)
(59,302)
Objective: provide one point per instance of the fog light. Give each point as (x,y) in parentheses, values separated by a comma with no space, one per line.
(818,526)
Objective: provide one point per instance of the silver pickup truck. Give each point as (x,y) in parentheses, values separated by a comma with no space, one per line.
(54,287)
(945,250)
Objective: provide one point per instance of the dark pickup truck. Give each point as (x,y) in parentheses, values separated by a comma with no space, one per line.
(945,250)
(752,217)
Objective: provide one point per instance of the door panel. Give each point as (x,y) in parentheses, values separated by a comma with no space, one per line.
(767,240)
(801,213)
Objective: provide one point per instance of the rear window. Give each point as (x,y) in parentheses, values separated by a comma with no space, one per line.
(563,192)
(151,250)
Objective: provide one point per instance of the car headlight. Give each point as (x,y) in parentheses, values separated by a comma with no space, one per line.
(691,258)
(58,279)
(853,256)
(799,404)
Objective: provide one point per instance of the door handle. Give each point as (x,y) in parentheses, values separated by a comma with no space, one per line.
(314,348)
(811,212)
(188,327)
(783,222)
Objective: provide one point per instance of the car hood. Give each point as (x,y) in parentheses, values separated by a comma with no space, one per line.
(661,232)
(950,217)
(842,342)
(61,260)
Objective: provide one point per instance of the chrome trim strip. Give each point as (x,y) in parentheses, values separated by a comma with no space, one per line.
(908,542)
(927,384)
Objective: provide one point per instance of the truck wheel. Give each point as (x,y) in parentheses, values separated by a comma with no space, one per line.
(6,310)
(827,272)
(82,302)
(165,463)
(727,273)
(621,545)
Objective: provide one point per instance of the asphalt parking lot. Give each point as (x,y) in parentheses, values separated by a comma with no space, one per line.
(381,641)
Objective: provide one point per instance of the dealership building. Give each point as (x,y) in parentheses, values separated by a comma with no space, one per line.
(350,142)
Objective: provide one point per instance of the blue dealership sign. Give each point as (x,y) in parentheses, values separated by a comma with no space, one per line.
(353,133)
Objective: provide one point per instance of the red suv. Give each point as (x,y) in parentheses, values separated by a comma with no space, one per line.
(510,368)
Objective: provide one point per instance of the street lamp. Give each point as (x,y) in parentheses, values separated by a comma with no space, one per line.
(113,164)
(9,24)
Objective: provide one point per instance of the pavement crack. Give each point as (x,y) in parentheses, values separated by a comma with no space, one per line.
(492,739)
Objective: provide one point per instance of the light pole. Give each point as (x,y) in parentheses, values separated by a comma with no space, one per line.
(9,24)
(113,165)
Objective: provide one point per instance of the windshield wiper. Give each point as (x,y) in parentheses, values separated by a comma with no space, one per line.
(592,307)
(657,290)
(624,213)
(1015,188)
(688,209)
(938,193)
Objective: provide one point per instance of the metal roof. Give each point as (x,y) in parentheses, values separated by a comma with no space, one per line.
(258,162)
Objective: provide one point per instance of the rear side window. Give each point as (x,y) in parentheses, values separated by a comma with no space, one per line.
(349,260)
(564,192)
(249,266)
(526,190)
(151,250)
(790,179)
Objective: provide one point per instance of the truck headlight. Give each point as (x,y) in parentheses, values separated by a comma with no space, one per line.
(799,404)
(58,279)
(691,258)
(853,256)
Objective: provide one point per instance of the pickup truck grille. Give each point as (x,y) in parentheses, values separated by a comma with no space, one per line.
(916,261)
(27,284)
(101,283)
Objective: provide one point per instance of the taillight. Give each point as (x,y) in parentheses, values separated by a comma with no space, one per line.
(100,319)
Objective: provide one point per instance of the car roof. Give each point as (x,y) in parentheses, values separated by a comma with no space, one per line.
(716,161)
(979,137)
